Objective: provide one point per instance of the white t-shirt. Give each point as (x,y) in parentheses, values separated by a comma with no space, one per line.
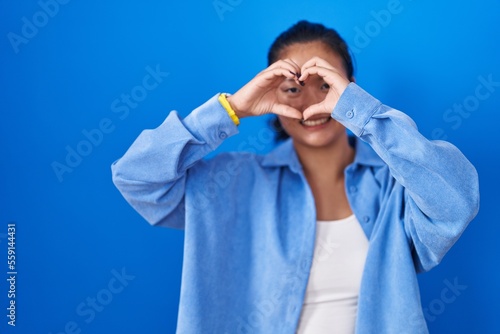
(331,299)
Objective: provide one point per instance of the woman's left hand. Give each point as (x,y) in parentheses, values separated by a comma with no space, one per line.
(332,76)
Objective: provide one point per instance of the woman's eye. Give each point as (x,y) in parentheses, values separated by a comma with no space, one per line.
(325,86)
(292,90)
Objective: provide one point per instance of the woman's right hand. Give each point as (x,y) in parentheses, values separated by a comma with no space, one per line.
(260,95)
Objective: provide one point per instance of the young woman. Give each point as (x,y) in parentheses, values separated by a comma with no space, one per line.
(326,233)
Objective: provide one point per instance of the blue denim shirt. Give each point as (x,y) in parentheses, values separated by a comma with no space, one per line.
(250,219)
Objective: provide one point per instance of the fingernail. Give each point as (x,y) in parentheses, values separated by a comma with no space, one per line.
(293,73)
(298,75)
(302,83)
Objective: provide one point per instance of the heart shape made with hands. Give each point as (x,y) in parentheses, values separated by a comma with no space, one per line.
(259,96)
(336,81)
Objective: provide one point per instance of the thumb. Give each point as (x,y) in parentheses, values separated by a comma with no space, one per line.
(315,109)
(287,111)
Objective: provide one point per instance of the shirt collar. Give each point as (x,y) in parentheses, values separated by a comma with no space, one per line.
(284,155)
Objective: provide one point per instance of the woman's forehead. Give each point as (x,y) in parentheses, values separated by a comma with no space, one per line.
(300,53)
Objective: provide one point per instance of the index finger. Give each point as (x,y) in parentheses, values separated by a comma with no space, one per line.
(316,61)
(330,75)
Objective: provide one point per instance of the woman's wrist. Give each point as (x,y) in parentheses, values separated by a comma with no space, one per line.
(229,109)
(235,107)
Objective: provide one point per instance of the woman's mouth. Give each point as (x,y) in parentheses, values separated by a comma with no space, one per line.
(315,122)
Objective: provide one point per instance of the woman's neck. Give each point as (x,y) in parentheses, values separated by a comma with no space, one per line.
(324,170)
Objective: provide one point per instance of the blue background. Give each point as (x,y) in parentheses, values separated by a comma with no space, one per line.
(76,232)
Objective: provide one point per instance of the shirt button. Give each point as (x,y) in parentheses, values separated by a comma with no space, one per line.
(350,114)
(222,135)
(352,189)
(366,219)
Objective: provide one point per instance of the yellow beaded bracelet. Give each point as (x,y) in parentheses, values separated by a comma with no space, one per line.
(225,103)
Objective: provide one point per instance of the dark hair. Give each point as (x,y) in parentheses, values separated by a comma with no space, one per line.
(304,32)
